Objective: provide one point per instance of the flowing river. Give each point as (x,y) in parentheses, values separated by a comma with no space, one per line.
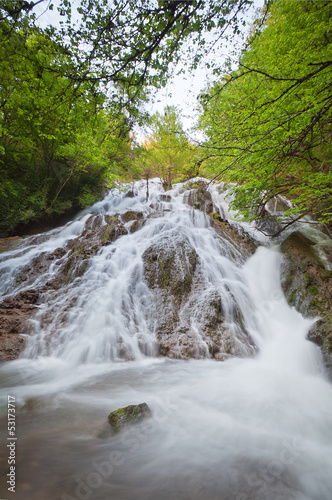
(256,427)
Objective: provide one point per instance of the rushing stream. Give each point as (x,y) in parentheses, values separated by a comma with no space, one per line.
(249,428)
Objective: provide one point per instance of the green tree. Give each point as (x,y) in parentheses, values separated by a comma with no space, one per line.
(167,152)
(269,121)
(58,144)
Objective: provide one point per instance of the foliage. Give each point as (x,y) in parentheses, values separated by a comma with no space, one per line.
(69,93)
(269,122)
(167,153)
(128,42)
(58,144)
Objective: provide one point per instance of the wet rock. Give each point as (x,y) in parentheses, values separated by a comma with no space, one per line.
(130,194)
(70,263)
(170,265)
(136,225)
(100,230)
(165,197)
(201,329)
(199,197)
(136,218)
(188,320)
(14,314)
(307,285)
(11,346)
(242,242)
(130,415)
(131,215)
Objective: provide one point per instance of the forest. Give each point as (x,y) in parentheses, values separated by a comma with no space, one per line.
(72,94)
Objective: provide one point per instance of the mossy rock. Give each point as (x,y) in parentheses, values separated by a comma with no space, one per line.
(170,265)
(129,415)
(297,243)
(308,287)
(131,215)
(216,216)
(242,242)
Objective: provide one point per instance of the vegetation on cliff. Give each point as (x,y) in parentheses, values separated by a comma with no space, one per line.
(268,122)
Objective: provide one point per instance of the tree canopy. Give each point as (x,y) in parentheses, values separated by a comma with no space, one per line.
(269,121)
(167,152)
(59,145)
(70,93)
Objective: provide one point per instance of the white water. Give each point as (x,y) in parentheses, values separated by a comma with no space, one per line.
(252,428)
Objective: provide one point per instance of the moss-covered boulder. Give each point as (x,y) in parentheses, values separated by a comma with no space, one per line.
(170,265)
(307,285)
(131,215)
(129,415)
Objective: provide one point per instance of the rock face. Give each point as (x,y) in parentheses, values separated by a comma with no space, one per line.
(189,320)
(170,265)
(242,241)
(308,287)
(130,415)
(14,313)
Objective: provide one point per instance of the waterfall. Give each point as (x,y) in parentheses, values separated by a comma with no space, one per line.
(255,426)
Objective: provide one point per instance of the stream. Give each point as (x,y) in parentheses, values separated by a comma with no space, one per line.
(254,427)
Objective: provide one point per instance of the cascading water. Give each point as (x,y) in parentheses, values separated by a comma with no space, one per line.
(254,427)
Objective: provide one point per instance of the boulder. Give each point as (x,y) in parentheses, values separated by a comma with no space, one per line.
(307,285)
(199,197)
(170,265)
(187,316)
(129,415)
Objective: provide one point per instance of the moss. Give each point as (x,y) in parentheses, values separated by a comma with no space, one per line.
(115,418)
(301,245)
(128,415)
(306,279)
(313,290)
(216,216)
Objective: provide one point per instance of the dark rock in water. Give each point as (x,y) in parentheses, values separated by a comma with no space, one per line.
(199,197)
(165,197)
(131,215)
(130,194)
(308,286)
(130,415)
